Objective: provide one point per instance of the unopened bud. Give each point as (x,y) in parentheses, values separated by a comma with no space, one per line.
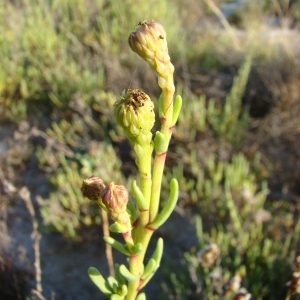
(115,199)
(92,188)
(297,263)
(208,256)
(134,111)
(242,294)
(294,284)
(149,41)
(234,284)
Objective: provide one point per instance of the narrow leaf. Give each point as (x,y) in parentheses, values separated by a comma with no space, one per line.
(168,208)
(127,274)
(99,281)
(116,245)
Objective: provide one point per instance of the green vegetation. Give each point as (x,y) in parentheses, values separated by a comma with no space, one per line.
(65,63)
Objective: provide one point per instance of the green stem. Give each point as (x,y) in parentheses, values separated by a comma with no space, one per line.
(136,263)
(166,116)
(140,233)
(144,166)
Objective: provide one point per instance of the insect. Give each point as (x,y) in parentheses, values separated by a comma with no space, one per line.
(142,23)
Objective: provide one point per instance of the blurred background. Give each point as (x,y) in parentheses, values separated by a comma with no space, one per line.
(235,150)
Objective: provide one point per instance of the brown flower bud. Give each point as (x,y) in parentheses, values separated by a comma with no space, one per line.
(208,256)
(234,284)
(114,199)
(92,188)
(297,263)
(242,294)
(294,284)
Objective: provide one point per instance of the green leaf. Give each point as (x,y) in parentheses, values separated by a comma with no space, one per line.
(113,283)
(127,274)
(117,227)
(176,109)
(116,245)
(99,281)
(141,296)
(136,249)
(168,208)
(120,278)
(116,297)
(160,142)
(156,257)
(150,268)
(124,290)
(138,196)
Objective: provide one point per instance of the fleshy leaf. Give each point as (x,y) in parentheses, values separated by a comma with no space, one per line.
(99,281)
(169,206)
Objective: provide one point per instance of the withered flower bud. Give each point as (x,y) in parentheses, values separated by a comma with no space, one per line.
(297,263)
(92,188)
(115,199)
(294,284)
(234,284)
(134,111)
(242,294)
(208,256)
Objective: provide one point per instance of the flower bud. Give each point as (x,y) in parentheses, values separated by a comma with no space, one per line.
(92,188)
(294,284)
(297,263)
(208,256)
(115,199)
(234,284)
(242,294)
(149,41)
(134,111)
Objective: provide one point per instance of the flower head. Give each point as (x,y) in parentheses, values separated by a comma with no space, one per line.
(134,111)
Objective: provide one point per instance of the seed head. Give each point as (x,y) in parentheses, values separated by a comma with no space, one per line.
(92,188)
(134,111)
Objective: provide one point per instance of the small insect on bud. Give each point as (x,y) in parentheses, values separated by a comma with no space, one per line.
(92,188)
(134,111)
(115,199)
(208,256)
(148,40)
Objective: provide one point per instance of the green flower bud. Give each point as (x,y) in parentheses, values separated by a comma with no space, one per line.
(149,41)
(134,111)
(92,188)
